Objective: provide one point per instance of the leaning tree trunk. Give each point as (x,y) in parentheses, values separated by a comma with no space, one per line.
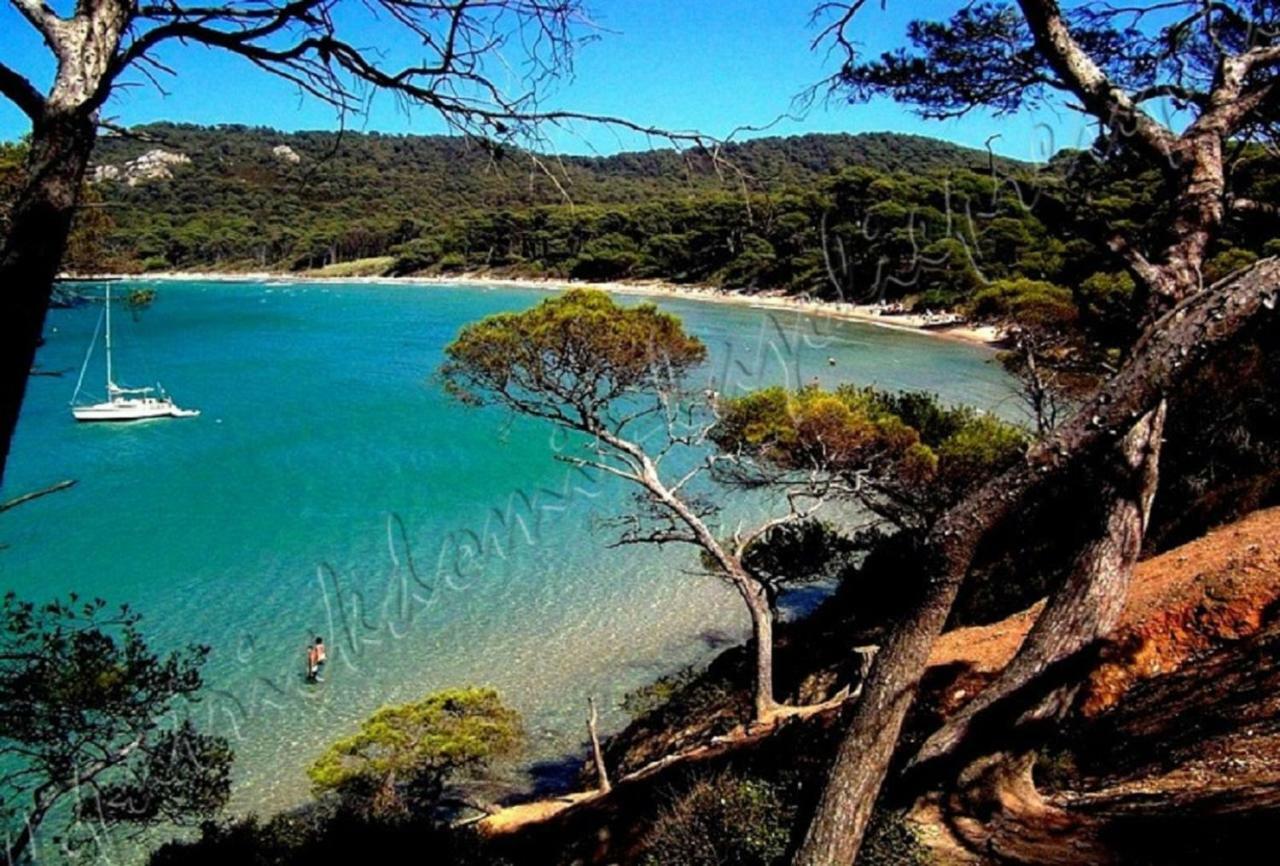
(61,143)
(1088,604)
(1172,347)
(764,704)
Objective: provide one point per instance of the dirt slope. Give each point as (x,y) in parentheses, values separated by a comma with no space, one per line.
(1218,588)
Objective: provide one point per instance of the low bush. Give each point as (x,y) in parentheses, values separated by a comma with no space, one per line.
(721,821)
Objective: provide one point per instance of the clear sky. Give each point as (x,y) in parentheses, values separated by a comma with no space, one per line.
(711,65)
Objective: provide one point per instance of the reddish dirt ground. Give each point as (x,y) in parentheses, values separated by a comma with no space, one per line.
(1215,589)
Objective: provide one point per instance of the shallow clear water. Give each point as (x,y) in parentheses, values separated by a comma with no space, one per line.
(330,487)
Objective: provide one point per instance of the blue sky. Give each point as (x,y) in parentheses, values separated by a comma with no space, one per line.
(678,64)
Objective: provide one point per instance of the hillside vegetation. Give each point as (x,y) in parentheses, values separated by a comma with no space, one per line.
(253,196)
(858,217)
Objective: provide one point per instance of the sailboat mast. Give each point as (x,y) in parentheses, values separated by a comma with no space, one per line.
(110,383)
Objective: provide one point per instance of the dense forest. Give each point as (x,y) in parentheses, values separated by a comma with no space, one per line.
(254,197)
(859,217)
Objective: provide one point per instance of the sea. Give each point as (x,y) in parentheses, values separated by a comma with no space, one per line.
(331,487)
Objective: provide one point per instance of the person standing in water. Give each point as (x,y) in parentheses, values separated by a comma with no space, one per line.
(316,658)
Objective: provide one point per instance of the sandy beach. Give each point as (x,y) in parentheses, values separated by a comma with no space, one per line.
(988,335)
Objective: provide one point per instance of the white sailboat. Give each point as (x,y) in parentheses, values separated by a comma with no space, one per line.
(123,404)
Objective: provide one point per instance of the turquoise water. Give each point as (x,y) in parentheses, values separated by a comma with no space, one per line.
(330,487)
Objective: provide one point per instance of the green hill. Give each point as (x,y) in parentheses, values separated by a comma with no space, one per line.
(235,197)
(435,175)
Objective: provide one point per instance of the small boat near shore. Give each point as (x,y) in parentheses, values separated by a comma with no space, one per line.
(123,404)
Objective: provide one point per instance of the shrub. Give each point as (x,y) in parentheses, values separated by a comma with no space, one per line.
(1227,262)
(890,841)
(932,451)
(1028,302)
(806,551)
(318,835)
(415,255)
(452,262)
(1105,299)
(402,756)
(981,447)
(721,821)
(650,696)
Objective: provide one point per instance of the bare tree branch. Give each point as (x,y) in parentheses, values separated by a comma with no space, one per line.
(42,17)
(21,92)
(1101,97)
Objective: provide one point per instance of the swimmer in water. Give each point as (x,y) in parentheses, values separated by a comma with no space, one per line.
(316,657)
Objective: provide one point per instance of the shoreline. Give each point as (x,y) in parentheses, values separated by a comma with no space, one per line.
(977,334)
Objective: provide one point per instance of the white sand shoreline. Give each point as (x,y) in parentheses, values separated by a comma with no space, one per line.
(987,335)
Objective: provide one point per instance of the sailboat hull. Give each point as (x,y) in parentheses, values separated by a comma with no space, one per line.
(123,404)
(144,409)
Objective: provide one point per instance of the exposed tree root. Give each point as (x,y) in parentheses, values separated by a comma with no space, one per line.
(997,811)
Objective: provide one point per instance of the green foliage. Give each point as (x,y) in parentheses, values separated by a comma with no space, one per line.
(415,256)
(650,696)
(13,157)
(570,357)
(1034,303)
(721,821)
(890,841)
(402,756)
(322,834)
(794,553)
(926,453)
(86,730)
(86,245)
(813,428)
(1227,262)
(851,428)
(655,214)
(979,447)
(860,217)
(1106,293)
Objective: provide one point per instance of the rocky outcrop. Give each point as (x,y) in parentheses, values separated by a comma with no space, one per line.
(156,164)
(286,154)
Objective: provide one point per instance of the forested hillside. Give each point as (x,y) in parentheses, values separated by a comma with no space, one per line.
(858,217)
(257,198)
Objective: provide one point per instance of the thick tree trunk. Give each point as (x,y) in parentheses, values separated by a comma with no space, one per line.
(32,253)
(1088,604)
(762,634)
(1172,347)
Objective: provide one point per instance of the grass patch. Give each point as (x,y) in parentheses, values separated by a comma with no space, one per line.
(372,267)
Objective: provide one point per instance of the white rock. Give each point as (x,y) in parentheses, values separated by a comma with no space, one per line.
(155,164)
(285,153)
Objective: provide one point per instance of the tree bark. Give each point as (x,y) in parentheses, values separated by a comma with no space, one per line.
(755,594)
(1088,604)
(597,754)
(61,143)
(1219,705)
(996,809)
(1172,346)
(762,633)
